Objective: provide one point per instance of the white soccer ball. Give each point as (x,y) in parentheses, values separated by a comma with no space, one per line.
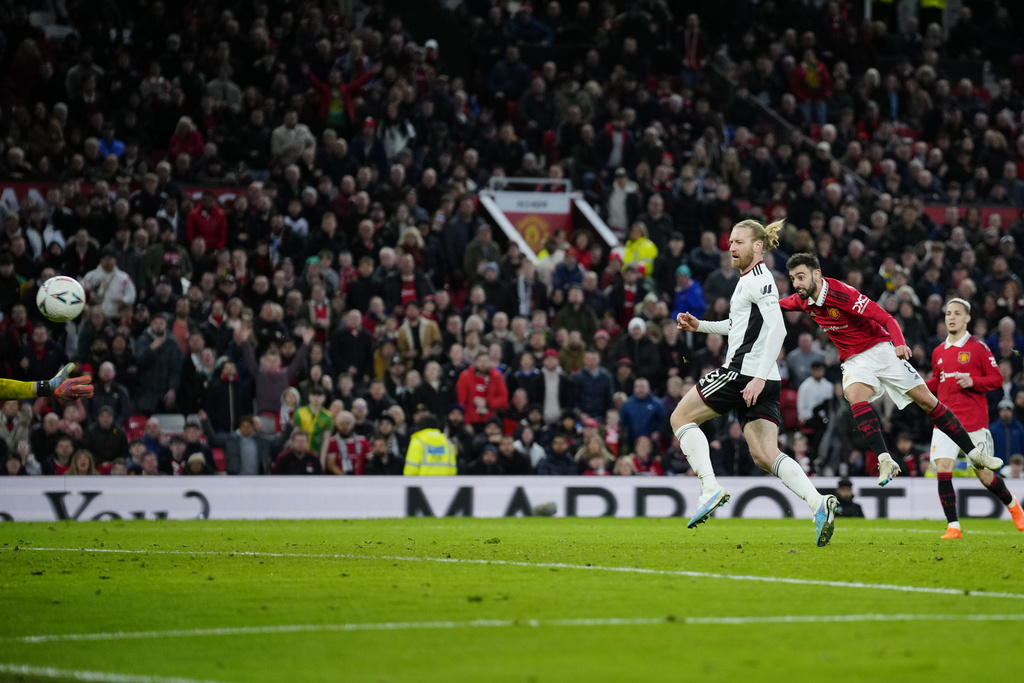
(61,299)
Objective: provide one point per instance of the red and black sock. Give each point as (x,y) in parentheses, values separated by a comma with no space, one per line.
(947,496)
(870,428)
(998,488)
(950,425)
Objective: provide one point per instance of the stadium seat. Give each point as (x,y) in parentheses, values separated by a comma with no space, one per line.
(135,426)
(41,19)
(218,458)
(170,423)
(787,404)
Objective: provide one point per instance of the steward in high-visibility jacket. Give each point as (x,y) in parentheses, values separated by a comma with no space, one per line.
(430,452)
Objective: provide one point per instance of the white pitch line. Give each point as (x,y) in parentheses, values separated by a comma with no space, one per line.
(560,565)
(101,676)
(934,531)
(500,623)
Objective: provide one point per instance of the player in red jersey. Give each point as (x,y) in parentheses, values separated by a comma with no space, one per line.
(874,359)
(963,369)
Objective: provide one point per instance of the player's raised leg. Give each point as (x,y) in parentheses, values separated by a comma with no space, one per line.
(948,423)
(763,440)
(686,420)
(859,394)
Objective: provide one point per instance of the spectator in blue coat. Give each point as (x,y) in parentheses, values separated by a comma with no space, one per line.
(1007,432)
(509,77)
(568,273)
(642,414)
(689,296)
(558,461)
(367,149)
(594,386)
(528,30)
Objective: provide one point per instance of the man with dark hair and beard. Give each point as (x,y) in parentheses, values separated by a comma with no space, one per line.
(380,461)
(458,433)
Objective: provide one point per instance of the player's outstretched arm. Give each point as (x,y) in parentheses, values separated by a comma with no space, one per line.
(61,386)
(688,323)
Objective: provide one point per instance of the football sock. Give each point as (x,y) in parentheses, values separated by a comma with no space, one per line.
(870,429)
(947,496)
(998,488)
(792,475)
(950,425)
(698,453)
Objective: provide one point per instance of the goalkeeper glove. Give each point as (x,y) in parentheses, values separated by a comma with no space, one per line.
(67,388)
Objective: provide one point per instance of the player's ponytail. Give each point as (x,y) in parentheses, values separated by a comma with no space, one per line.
(771,235)
(767,235)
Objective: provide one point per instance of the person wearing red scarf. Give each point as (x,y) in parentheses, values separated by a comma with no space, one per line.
(481,389)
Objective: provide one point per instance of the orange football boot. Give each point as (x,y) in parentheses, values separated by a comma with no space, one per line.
(1017,514)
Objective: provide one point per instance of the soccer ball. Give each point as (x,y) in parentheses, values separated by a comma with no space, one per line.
(61,299)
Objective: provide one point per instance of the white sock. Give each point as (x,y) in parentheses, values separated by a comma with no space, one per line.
(954,525)
(792,475)
(698,453)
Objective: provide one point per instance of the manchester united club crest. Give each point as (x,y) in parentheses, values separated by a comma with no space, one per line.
(964,356)
(833,313)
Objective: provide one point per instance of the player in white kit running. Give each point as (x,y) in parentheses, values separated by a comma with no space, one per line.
(748,383)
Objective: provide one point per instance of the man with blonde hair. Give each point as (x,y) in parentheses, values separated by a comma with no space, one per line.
(747,383)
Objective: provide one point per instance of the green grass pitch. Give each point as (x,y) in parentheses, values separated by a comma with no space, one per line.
(521,600)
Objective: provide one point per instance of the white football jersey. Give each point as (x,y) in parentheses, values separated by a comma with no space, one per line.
(755,327)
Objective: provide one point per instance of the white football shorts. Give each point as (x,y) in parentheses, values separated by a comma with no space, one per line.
(944,447)
(883,371)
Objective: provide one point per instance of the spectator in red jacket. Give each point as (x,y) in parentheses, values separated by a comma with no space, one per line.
(812,85)
(482,390)
(337,108)
(208,221)
(186,140)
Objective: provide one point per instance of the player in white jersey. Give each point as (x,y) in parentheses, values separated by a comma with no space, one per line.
(748,383)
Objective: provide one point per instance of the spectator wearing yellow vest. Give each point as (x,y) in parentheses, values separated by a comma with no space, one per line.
(640,250)
(430,452)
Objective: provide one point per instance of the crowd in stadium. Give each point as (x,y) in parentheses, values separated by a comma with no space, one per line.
(273,208)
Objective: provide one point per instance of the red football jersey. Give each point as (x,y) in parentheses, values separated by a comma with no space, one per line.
(349,454)
(968,357)
(851,320)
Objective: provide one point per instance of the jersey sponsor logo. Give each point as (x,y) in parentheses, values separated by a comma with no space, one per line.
(964,356)
(834,313)
(767,289)
(943,375)
(860,304)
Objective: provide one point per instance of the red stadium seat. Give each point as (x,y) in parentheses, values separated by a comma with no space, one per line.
(135,427)
(218,458)
(787,404)
(550,149)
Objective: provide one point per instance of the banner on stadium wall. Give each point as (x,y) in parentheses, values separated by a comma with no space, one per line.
(12,194)
(100,498)
(536,215)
